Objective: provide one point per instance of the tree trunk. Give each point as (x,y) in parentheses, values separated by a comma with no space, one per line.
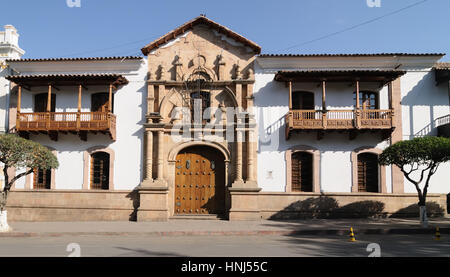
(4,227)
(423,216)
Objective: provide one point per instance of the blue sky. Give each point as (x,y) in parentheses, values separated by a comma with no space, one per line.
(49,28)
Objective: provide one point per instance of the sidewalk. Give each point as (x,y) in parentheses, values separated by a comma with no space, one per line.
(226,228)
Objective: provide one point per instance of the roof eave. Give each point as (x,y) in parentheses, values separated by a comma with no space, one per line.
(189,25)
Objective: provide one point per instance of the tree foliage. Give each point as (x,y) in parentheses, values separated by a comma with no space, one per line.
(16,152)
(419,155)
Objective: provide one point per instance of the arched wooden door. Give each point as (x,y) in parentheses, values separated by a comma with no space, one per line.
(199,181)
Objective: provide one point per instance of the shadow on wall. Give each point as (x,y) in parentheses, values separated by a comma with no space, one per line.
(327,207)
(134,196)
(433,210)
(427,96)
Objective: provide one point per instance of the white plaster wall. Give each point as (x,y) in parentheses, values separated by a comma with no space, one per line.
(129,108)
(271,102)
(422,103)
(4,89)
(66,98)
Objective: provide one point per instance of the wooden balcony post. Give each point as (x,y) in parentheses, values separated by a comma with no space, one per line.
(49,99)
(19,101)
(80,87)
(110,99)
(290,95)
(324,105)
(49,105)
(358,108)
(391,104)
(357,94)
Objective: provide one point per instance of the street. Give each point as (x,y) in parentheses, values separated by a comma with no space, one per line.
(224,246)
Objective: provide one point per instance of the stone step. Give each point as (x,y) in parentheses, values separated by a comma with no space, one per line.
(197,217)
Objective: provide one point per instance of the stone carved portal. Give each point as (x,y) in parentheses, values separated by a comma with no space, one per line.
(198,66)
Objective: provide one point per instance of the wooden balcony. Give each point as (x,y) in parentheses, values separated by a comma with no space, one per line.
(80,123)
(341,120)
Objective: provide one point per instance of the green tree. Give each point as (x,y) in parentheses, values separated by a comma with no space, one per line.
(16,152)
(418,159)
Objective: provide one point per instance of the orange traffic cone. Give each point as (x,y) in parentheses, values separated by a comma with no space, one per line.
(352,235)
(438,234)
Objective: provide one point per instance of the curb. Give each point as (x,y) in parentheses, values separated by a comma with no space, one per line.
(312,232)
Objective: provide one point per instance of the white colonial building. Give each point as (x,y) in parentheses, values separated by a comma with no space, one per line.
(9,49)
(306,130)
(320,140)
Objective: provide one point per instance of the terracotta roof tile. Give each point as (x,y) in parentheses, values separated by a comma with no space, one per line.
(442,66)
(76,59)
(350,55)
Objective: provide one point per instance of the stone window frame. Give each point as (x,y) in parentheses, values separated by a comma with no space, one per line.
(381,169)
(29,184)
(87,165)
(316,166)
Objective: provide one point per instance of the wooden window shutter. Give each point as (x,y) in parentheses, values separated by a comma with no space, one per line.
(100,171)
(368,172)
(302,172)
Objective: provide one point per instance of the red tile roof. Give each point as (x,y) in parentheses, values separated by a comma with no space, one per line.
(76,59)
(68,79)
(349,55)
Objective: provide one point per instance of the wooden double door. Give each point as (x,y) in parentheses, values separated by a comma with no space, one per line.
(200,182)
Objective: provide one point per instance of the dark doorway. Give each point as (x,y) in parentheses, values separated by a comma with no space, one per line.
(302,172)
(100,171)
(303,100)
(41,101)
(368,172)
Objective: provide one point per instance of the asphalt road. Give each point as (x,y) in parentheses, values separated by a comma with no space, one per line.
(224,246)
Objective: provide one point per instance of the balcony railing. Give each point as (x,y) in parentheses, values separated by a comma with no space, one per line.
(443,126)
(338,120)
(103,122)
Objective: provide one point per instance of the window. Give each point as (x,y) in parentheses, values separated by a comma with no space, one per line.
(42,178)
(100,102)
(200,101)
(100,171)
(367,100)
(368,172)
(40,103)
(303,100)
(302,172)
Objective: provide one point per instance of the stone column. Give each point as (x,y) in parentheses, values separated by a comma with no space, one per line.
(151,99)
(149,156)
(239,157)
(397,134)
(244,195)
(252,137)
(154,194)
(250,157)
(239,95)
(160,172)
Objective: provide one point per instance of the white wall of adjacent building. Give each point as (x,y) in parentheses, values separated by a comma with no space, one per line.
(9,49)
(422,103)
(129,109)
